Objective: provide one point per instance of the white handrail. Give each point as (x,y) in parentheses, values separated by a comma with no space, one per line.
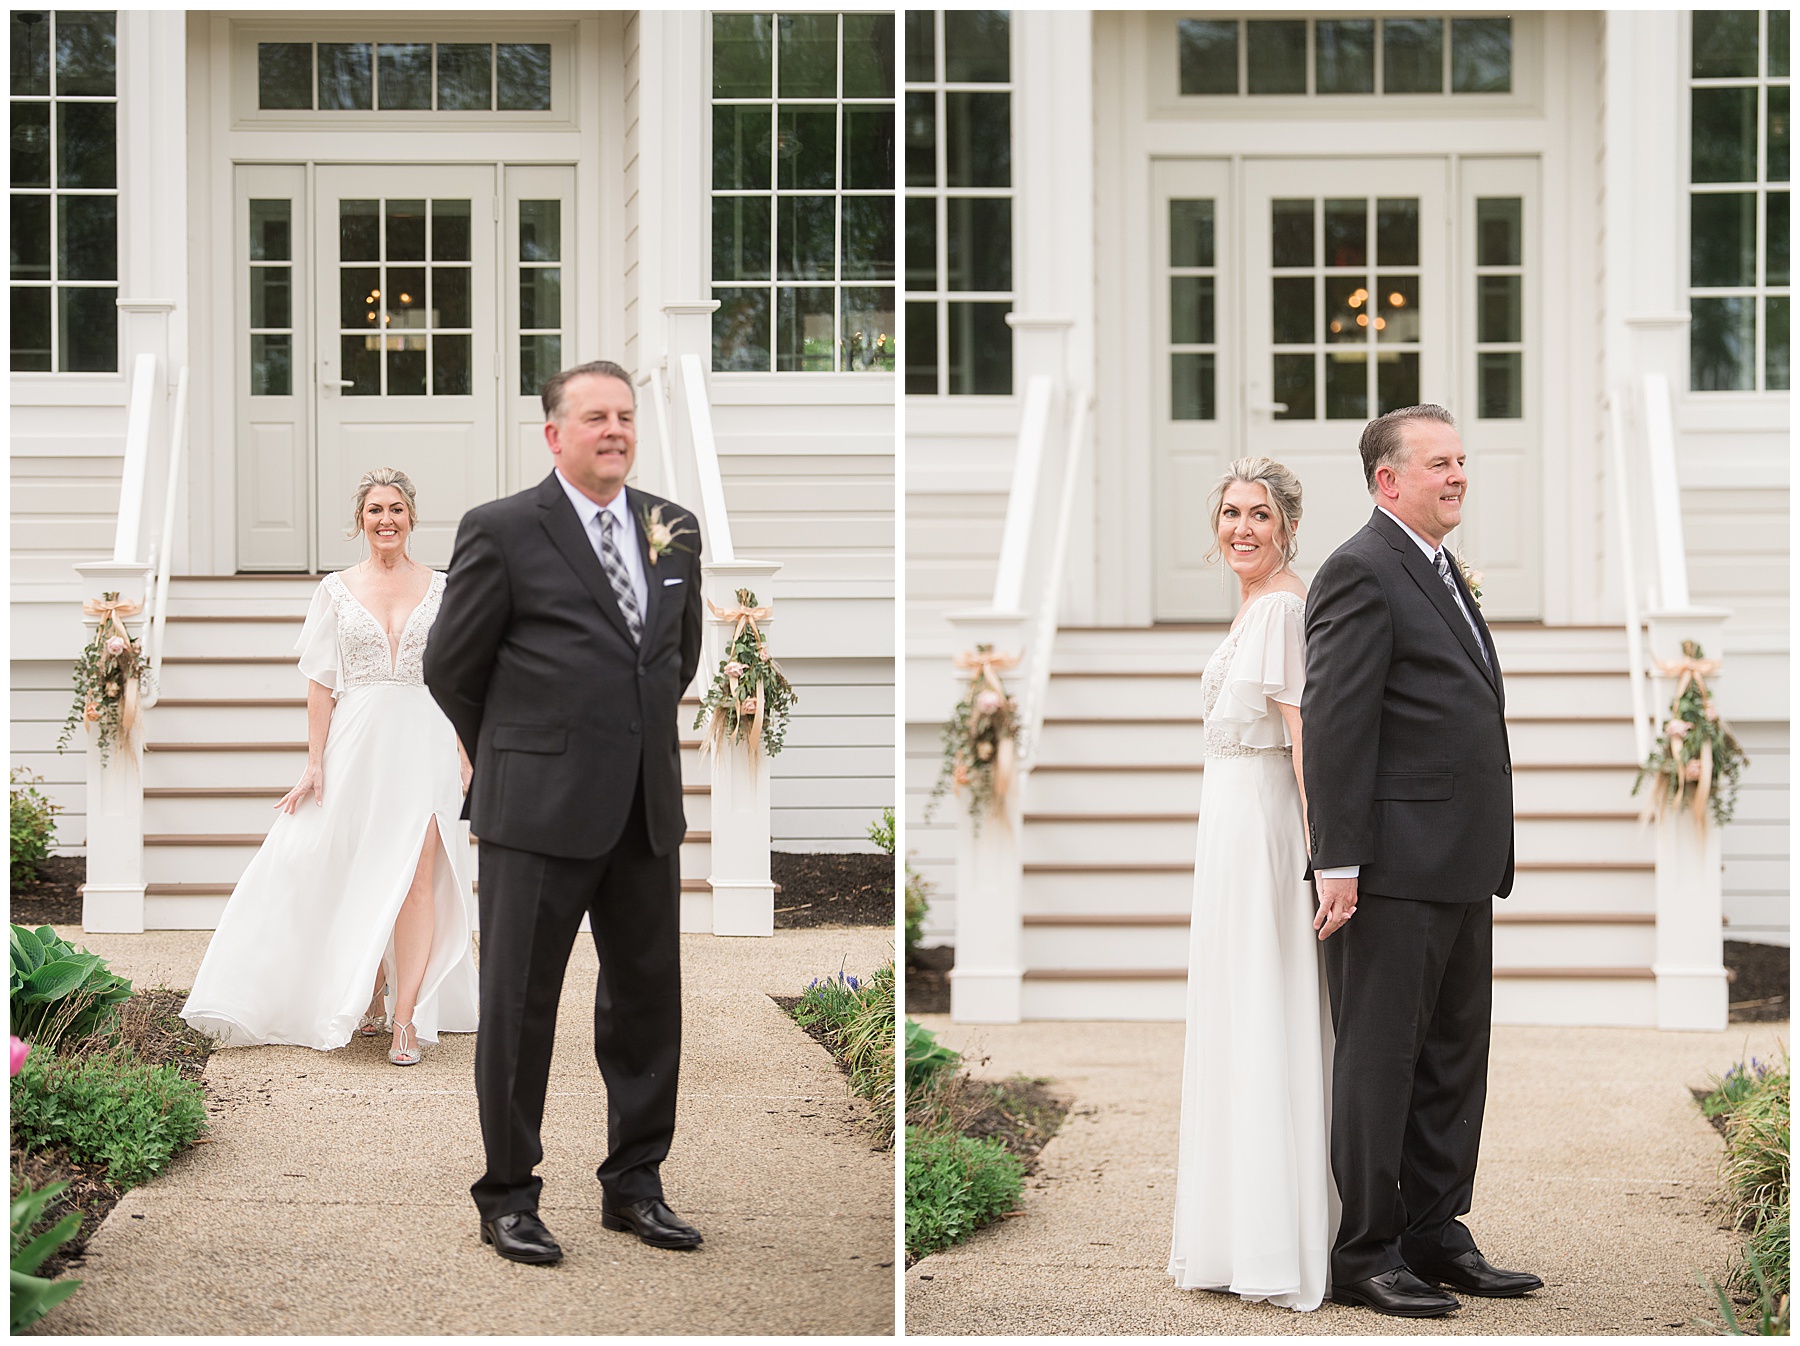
(1021,505)
(165,548)
(1043,636)
(665,447)
(1665,494)
(139,411)
(706,461)
(1634,623)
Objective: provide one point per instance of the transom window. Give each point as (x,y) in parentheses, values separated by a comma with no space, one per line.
(1345,305)
(803,191)
(1738,215)
(959,202)
(65,192)
(404,279)
(1418,54)
(403,76)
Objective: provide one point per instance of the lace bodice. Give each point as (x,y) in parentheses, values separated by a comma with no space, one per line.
(1262,661)
(343,646)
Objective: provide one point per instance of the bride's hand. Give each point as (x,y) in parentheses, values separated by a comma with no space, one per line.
(312,782)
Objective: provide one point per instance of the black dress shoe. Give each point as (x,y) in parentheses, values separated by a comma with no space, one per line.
(653,1222)
(1471,1274)
(521,1237)
(1398,1293)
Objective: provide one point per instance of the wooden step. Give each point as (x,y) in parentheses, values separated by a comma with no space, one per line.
(287,659)
(1118,921)
(215,792)
(294,617)
(1180,974)
(1118,766)
(280,747)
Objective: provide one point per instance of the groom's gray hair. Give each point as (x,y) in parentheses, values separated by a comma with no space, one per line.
(1384,438)
(552,392)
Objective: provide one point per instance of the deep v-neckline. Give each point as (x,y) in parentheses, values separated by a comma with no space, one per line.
(393,642)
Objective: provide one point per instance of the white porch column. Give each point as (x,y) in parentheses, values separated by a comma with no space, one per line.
(1691,987)
(986,983)
(743,894)
(112,900)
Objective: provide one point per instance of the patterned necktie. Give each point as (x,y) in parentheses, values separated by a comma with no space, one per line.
(612,561)
(1443,570)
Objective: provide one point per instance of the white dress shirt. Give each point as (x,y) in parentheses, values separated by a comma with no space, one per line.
(624,533)
(1352,871)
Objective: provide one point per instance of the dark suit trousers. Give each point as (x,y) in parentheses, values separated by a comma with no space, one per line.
(531,908)
(1411,998)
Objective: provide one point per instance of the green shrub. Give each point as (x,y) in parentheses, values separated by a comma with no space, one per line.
(33,826)
(1752,1103)
(34,1296)
(107,1109)
(925,1058)
(955,1185)
(857,1017)
(916,907)
(60,991)
(881,831)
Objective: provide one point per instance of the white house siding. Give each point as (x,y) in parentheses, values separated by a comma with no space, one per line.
(1755,843)
(808,463)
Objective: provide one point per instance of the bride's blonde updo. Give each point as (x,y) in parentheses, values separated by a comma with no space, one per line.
(382,476)
(1283,489)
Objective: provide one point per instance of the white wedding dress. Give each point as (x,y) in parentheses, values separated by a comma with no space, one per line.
(1254,1201)
(294,957)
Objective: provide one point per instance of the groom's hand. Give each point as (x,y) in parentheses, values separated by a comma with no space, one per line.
(1337,904)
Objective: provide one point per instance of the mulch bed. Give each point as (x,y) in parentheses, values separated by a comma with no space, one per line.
(54,898)
(928,979)
(1021,1113)
(150,1027)
(1759,981)
(832,888)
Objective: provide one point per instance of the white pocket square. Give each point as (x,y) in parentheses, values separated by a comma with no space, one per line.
(676,580)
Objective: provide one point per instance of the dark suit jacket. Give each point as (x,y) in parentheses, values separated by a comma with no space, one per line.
(1408,770)
(531,661)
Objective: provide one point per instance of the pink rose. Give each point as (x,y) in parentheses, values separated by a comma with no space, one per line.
(749,706)
(988,702)
(736,670)
(115,645)
(20,1050)
(1692,770)
(1677,729)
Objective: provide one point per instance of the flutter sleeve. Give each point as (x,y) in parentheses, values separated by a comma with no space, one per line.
(1268,666)
(318,643)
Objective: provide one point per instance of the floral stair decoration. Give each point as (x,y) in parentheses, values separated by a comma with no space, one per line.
(107,675)
(1696,761)
(981,736)
(750,699)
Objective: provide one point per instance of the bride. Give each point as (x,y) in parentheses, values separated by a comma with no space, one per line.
(1253,1197)
(362,886)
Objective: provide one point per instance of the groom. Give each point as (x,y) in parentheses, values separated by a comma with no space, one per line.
(569,627)
(1409,790)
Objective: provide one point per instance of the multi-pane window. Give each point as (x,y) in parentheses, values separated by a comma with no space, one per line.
(803,191)
(540,294)
(65,192)
(1193,291)
(404,298)
(1738,201)
(271,298)
(1499,307)
(959,202)
(405,76)
(1345,305)
(1343,55)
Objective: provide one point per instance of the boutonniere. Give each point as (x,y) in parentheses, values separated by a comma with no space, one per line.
(1471,577)
(661,537)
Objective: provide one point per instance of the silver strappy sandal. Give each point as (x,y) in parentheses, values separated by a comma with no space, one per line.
(408,1054)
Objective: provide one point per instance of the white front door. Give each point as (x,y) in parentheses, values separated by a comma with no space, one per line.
(406,293)
(1314,296)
